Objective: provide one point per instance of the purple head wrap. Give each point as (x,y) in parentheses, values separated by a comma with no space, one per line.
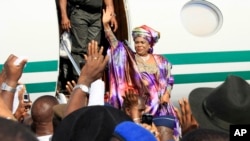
(151,35)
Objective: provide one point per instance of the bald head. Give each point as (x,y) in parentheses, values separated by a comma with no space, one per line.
(42,108)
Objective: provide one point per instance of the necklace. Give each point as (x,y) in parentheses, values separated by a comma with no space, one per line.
(145,58)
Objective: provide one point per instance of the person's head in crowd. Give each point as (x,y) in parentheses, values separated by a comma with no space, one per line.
(59,111)
(42,115)
(218,108)
(27,121)
(130,131)
(203,134)
(165,125)
(15,131)
(134,105)
(91,123)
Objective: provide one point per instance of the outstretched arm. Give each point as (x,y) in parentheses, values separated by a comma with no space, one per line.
(91,71)
(107,15)
(11,74)
(5,111)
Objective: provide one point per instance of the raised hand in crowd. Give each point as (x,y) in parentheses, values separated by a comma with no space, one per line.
(12,72)
(70,85)
(91,71)
(133,106)
(95,65)
(187,120)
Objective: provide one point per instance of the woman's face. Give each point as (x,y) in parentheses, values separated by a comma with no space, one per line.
(141,46)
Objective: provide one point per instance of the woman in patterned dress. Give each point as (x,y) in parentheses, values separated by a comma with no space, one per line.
(148,73)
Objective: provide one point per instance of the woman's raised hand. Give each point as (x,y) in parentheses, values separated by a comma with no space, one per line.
(107,16)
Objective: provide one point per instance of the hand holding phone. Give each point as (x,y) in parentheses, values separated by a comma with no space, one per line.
(147,118)
(26,97)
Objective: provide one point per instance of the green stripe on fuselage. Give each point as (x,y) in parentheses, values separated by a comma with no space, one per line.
(175,59)
(41,66)
(208,77)
(41,87)
(208,57)
(179,79)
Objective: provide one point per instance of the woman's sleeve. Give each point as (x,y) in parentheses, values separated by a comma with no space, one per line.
(110,36)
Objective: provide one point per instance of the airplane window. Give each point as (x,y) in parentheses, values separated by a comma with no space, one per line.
(201,18)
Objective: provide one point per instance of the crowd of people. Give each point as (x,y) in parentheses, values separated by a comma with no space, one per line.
(39,120)
(79,121)
(136,107)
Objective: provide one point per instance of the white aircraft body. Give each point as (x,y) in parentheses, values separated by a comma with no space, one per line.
(204,40)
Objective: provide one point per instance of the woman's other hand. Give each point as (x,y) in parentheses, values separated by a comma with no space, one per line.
(106,17)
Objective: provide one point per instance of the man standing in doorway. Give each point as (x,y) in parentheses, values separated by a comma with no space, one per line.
(83,19)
